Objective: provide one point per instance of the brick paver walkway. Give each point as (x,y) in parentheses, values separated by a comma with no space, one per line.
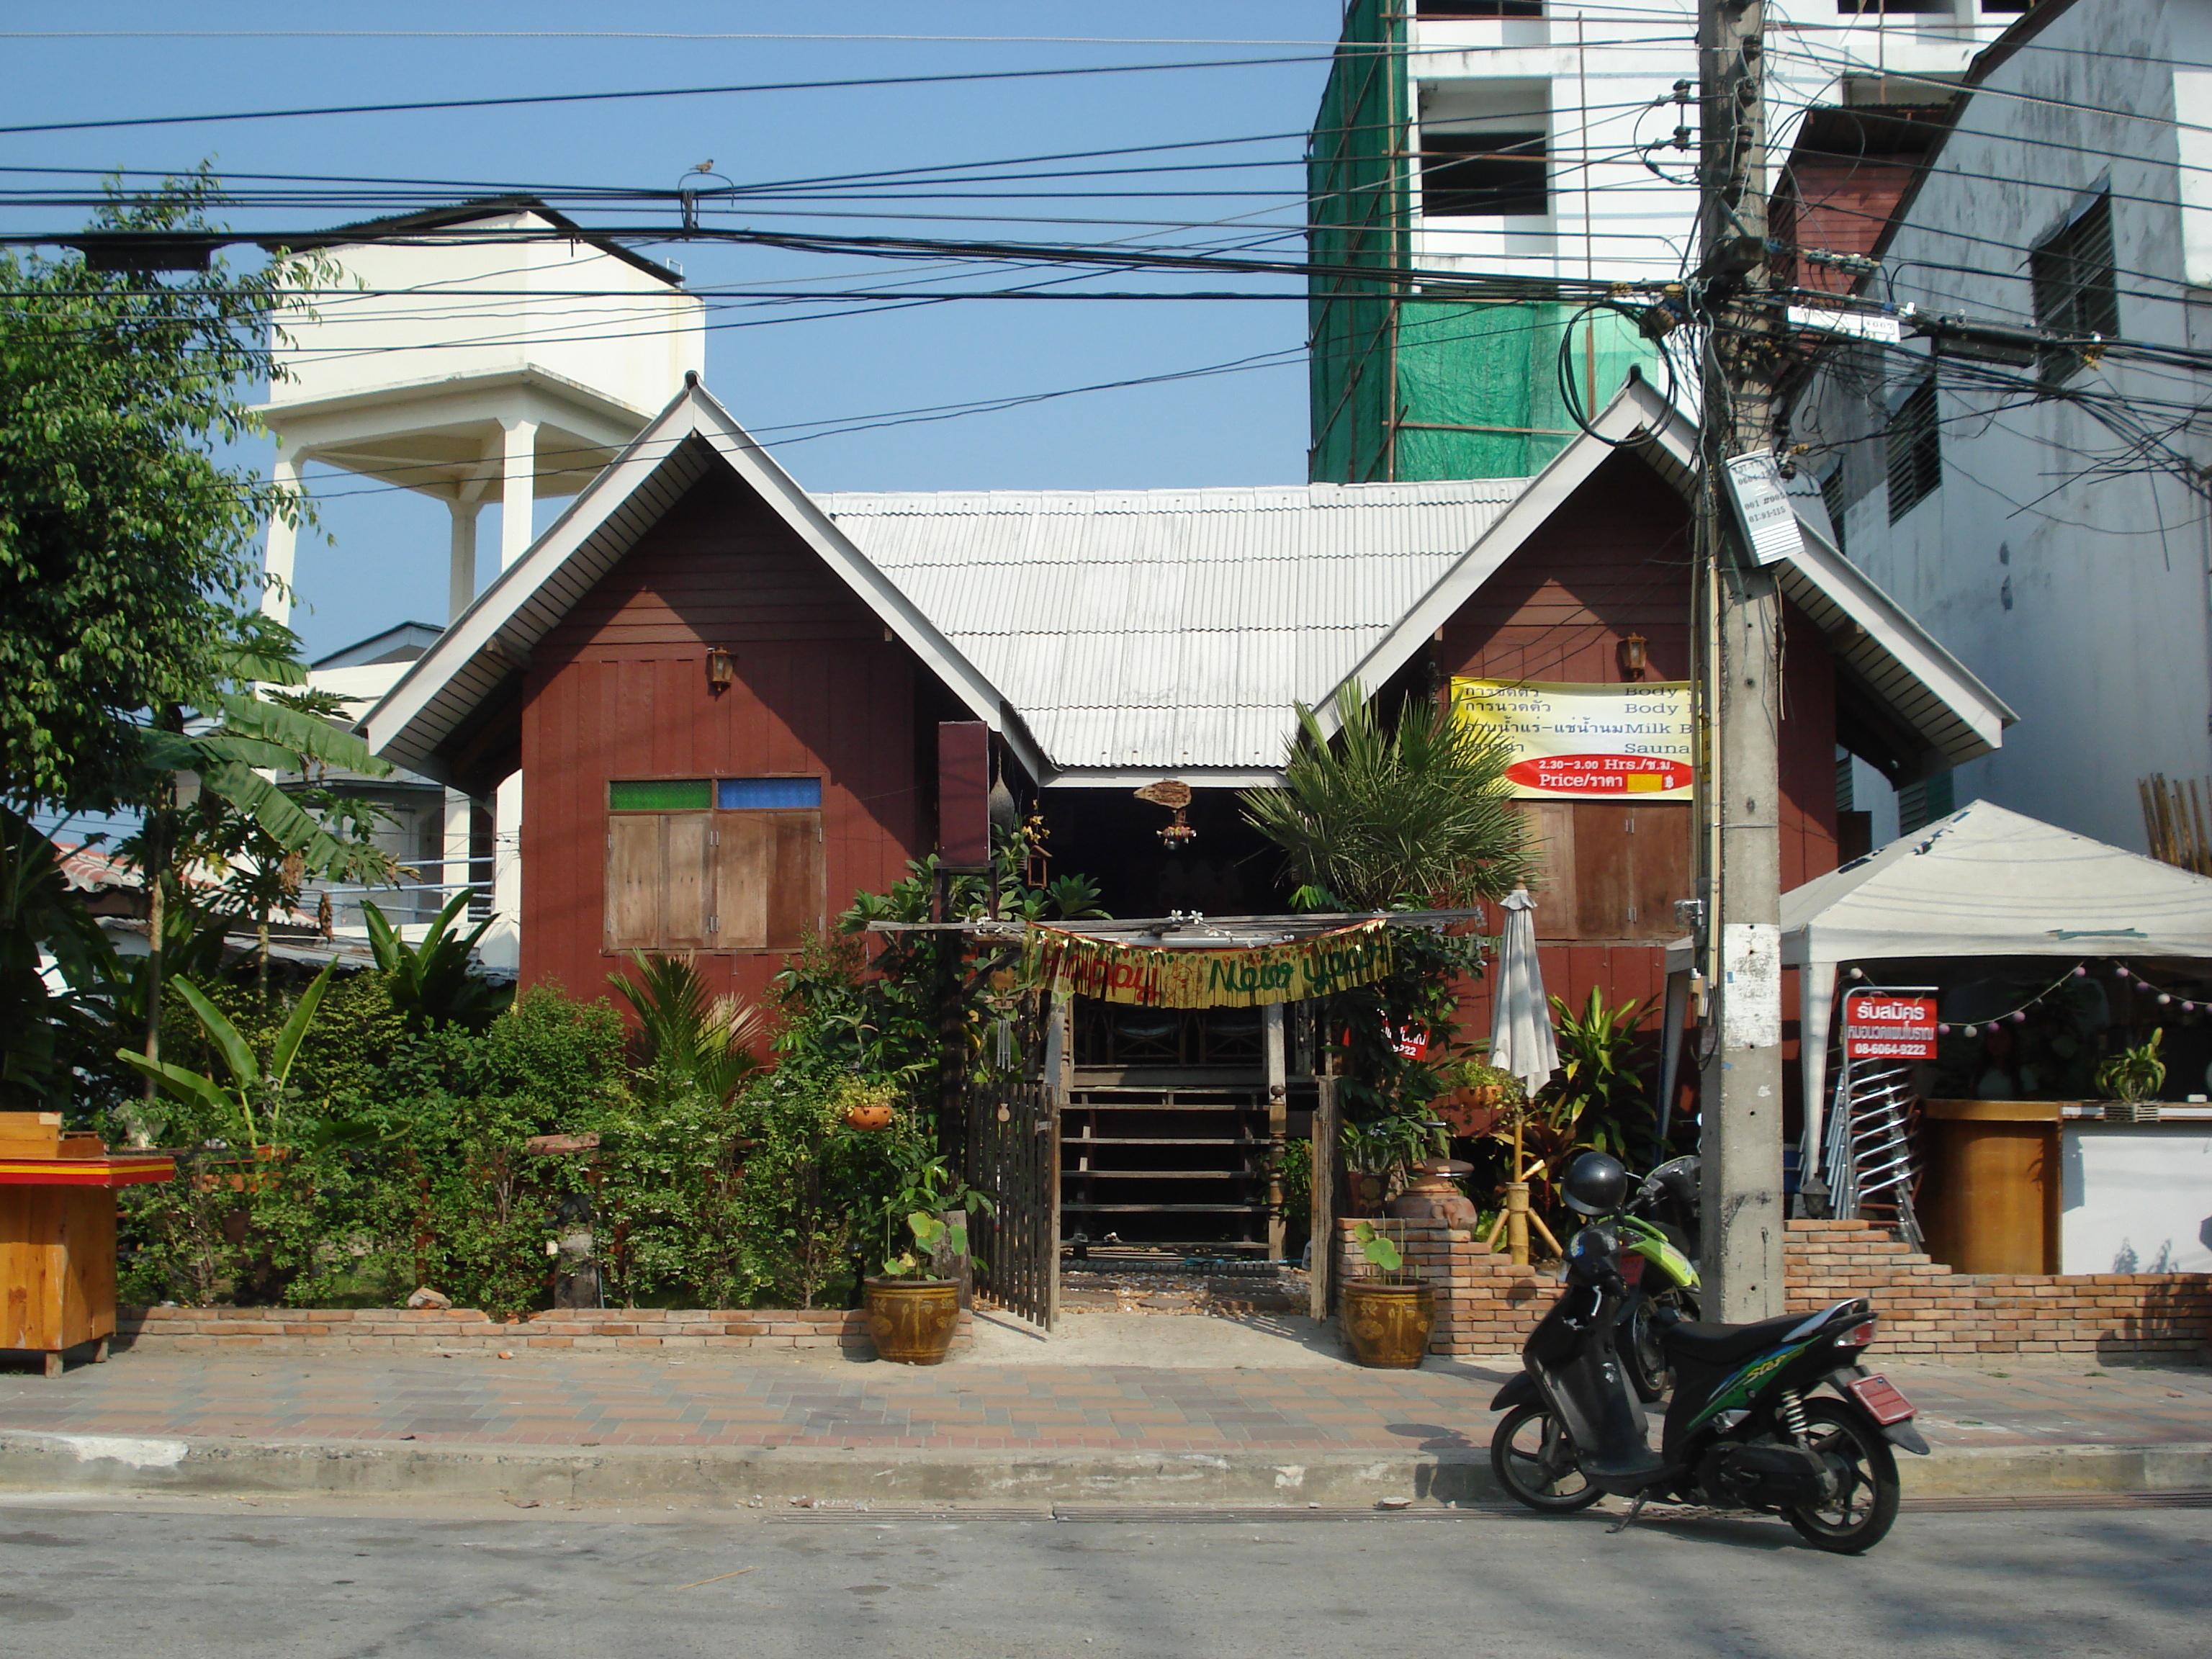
(576,1400)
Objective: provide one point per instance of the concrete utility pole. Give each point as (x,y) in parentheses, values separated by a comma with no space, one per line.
(1741,1090)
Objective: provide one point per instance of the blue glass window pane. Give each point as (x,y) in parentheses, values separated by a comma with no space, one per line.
(756,794)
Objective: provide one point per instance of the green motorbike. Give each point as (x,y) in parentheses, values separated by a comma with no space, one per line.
(1658,1241)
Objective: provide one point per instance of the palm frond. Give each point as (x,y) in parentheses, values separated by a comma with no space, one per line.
(1384,816)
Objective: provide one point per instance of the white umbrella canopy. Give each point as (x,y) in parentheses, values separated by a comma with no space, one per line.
(1520,1014)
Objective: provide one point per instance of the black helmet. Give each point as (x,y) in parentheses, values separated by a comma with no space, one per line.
(1596,1184)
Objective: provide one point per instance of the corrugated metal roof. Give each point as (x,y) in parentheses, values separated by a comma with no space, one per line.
(1170,629)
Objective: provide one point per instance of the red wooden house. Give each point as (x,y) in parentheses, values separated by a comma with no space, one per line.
(735,705)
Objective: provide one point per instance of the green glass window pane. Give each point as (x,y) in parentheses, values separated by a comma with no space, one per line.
(660,795)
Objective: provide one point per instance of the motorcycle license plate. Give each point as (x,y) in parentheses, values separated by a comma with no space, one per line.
(1882,1399)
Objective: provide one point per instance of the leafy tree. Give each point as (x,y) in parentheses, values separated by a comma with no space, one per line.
(39,1026)
(1397,817)
(128,552)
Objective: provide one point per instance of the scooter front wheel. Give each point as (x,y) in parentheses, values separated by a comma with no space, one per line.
(1865,1507)
(1535,1461)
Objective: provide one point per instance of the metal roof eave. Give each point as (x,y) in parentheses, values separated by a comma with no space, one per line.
(489,644)
(1891,654)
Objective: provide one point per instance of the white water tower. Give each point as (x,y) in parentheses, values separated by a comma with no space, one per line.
(486,357)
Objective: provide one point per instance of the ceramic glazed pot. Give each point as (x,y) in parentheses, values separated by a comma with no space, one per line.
(1386,1321)
(868,1117)
(912,1320)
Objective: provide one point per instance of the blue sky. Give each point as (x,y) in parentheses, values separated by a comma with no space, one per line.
(388,561)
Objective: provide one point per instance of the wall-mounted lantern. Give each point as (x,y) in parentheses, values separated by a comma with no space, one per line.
(720,671)
(1630,652)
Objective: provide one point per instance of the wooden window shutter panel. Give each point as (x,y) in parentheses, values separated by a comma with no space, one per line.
(634,882)
(688,883)
(795,902)
(744,868)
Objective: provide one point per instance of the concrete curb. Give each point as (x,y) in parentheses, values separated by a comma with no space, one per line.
(185,1467)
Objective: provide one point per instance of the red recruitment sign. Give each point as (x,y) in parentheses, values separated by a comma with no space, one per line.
(1600,774)
(1877,1026)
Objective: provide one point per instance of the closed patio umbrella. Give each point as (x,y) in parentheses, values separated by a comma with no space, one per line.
(1519,1017)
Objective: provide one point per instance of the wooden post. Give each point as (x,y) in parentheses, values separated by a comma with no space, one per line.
(1321,1294)
(1059,1071)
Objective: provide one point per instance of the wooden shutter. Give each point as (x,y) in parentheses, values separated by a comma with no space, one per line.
(796,900)
(1633,863)
(634,882)
(688,882)
(745,868)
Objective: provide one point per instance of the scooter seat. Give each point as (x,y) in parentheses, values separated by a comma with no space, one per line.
(1727,1345)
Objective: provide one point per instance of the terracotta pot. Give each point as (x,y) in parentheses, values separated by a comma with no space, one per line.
(1431,1196)
(912,1320)
(1386,1321)
(868,1117)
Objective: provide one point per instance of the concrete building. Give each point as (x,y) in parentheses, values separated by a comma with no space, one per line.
(1539,138)
(2041,507)
(474,355)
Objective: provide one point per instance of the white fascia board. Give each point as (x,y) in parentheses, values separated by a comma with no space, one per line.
(487,630)
(1636,407)
(1893,631)
(1132,777)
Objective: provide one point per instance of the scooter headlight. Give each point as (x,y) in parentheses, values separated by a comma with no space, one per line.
(1591,1250)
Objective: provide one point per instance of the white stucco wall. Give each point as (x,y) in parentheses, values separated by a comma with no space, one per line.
(2135,1199)
(2081,601)
(435,312)
(1590,75)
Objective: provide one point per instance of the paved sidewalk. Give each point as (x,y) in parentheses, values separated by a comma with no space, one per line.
(575,1400)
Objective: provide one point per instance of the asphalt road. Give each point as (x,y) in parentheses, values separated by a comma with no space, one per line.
(238,1581)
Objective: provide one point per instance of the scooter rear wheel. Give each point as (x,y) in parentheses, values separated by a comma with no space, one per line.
(1865,1504)
(1534,1461)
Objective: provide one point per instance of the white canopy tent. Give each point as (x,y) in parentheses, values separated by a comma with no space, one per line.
(1984,882)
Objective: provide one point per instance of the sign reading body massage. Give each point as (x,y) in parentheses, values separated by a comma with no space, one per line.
(1587,742)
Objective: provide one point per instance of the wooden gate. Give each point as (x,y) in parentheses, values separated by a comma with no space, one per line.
(1013,1154)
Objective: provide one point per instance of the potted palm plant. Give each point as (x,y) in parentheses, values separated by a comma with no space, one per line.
(913,1315)
(1387,1312)
(2133,1077)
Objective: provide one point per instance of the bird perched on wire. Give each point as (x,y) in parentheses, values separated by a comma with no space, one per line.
(707,166)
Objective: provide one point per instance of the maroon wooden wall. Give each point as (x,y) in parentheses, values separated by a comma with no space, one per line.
(619,690)
(1612,561)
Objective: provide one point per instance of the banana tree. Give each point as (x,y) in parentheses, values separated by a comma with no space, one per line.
(255,1096)
(225,748)
(434,983)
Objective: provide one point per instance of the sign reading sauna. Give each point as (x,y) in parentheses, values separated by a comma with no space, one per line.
(1587,742)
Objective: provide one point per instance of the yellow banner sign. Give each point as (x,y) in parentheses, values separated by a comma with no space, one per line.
(1156,977)
(1587,742)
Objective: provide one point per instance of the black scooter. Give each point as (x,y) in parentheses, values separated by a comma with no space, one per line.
(1740,1432)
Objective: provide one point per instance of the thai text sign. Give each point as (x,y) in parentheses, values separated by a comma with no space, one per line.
(1154,976)
(1587,742)
(1877,1026)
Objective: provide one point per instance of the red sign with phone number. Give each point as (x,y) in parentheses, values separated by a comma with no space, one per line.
(1882,1027)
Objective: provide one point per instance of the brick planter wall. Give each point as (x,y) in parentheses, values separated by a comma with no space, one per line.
(1486,1305)
(464,1330)
(1926,1308)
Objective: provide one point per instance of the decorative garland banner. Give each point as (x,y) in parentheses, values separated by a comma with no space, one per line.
(1154,976)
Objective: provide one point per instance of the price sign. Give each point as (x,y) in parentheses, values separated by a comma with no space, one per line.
(1880,1026)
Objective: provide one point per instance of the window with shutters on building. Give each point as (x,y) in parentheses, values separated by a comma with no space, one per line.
(713,864)
(2076,288)
(1916,450)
